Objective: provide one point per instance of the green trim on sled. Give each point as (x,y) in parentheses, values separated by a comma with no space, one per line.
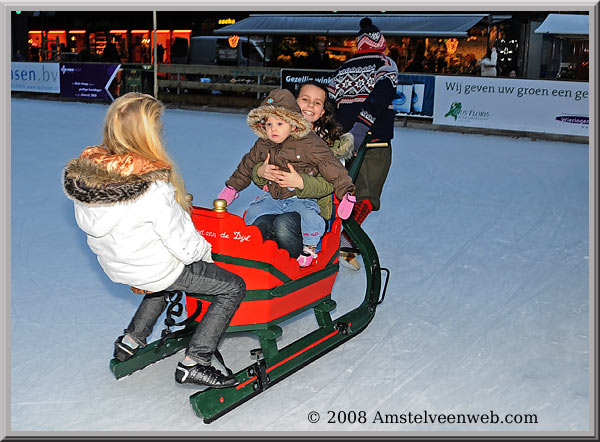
(252,327)
(285,289)
(252,264)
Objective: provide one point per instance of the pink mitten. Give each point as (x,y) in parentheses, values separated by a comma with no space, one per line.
(346,205)
(228,194)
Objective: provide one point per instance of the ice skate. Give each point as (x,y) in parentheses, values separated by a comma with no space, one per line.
(123,351)
(349,260)
(203,375)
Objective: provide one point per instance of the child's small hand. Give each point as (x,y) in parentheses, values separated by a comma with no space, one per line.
(291,179)
(228,194)
(268,171)
(346,206)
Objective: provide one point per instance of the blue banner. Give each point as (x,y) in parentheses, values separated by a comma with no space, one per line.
(292,79)
(89,81)
(415,94)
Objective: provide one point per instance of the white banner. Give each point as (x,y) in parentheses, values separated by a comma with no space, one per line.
(35,77)
(560,107)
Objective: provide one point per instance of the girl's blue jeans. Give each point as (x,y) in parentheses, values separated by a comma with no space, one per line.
(311,222)
(284,229)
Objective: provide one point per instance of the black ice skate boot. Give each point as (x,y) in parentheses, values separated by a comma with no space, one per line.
(123,351)
(203,375)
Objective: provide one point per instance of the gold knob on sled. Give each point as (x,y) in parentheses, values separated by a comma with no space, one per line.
(220,205)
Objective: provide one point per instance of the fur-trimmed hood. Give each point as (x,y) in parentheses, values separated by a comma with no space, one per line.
(105,187)
(97,178)
(280,103)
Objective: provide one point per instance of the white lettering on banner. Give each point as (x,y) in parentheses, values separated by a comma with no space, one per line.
(560,107)
(303,79)
(35,77)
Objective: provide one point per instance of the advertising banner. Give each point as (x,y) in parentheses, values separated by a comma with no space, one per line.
(35,77)
(422,94)
(89,81)
(417,97)
(403,101)
(291,79)
(559,107)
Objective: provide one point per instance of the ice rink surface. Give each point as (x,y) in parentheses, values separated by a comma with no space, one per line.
(487,310)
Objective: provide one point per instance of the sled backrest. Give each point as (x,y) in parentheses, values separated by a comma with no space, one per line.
(277,287)
(241,249)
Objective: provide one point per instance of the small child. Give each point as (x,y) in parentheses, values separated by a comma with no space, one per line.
(287,143)
(132,204)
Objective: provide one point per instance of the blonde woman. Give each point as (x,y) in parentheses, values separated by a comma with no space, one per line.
(132,204)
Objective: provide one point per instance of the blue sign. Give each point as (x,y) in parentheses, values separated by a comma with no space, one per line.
(292,79)
(88,81)
(422,92)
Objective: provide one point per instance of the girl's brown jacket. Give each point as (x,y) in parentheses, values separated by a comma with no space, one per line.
(303,149)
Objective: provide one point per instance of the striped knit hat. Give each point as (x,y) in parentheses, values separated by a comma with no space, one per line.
(370,38)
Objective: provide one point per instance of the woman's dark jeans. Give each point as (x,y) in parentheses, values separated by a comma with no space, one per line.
(227,290)
(284,229)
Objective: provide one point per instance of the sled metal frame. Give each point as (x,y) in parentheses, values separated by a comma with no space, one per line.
(273,364)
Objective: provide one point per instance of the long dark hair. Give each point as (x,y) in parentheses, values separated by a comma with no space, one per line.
(327,126)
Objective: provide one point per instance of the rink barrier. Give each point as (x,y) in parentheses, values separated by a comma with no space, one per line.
(244,79)
(539,108)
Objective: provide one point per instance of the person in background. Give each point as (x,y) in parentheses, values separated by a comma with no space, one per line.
(110,54)
(441,65)
(85,55)
(431,62)
(470,66)
(34,53)
(418,61)
(488,63)
(394,54)
(160,53)
(363,89)
(319,59)
(132,204)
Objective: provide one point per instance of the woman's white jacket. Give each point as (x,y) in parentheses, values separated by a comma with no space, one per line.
(140,234)
(488,65)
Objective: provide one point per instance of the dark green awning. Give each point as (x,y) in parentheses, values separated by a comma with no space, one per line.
(405,25)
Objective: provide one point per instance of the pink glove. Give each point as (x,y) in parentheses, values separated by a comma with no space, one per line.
(346,205)
(228,194)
